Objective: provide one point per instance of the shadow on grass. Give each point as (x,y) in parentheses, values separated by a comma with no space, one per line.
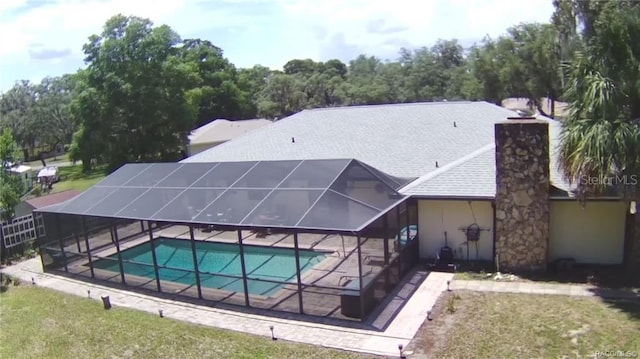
(75,172)
(609,282)
(629,306)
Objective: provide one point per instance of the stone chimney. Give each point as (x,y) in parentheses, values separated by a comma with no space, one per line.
(522,193)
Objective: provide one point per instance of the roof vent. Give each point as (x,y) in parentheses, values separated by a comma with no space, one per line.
(437,164)
(293,140)
(454,124)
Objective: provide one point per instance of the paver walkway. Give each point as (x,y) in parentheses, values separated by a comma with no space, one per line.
(584,290)
(400,331)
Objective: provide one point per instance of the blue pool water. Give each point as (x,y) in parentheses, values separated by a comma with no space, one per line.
(214,258)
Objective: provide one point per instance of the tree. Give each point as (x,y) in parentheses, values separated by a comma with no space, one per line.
(601,138)
(306,67)
(283,95)
(251,82)
(216,87)
(52,112)
(17,113)
(486,68)
(365,83)
(137,100)
(11,186)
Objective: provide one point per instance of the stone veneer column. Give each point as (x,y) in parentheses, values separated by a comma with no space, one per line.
(522,194)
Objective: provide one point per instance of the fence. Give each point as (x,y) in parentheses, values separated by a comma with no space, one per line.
(19,233)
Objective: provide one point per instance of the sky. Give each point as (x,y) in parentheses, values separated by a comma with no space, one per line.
(40,38)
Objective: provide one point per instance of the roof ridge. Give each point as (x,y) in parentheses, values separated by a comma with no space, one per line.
(460,161)
(432,103)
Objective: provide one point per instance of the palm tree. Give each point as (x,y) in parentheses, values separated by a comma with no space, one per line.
(601,138)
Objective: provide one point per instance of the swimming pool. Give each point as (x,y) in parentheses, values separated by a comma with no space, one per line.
(268,263)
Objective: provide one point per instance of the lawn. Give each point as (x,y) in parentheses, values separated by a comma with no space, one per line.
(499,325)
(40,323)
(72,177)
(603,276)
(53,161)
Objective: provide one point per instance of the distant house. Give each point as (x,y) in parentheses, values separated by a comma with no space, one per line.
(26,207)
(25,173)
(220,131)
(24,227)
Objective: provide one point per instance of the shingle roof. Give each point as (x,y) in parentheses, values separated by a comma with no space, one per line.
(403,140)
(472,176)
(51,199)
(224,130)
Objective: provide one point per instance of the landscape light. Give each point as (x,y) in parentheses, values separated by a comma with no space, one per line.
(273,337)
(400,347)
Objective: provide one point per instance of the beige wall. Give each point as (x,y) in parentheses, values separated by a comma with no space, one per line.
(593,234)
(199,147)
(435,217)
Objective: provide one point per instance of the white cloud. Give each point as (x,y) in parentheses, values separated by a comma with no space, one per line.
(259,31)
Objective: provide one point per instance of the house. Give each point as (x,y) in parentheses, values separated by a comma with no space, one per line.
(332,208)
(25,173)
(220,131)
(24,227)
(470,165)
(27,206)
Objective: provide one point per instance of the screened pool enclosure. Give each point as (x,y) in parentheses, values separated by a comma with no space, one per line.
(329,238)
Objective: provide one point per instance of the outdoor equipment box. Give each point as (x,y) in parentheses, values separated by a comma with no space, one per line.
(350,300)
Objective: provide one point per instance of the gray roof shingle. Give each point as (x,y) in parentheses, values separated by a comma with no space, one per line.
(402,140)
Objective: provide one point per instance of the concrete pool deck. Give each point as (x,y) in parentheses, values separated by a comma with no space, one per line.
(401,329)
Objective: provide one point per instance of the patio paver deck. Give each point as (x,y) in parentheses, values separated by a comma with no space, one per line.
(400,331)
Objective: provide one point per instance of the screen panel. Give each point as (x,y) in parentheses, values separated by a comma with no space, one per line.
(266,174)
(87,199)
(358,183)
(124,174)
(149,203)
(114,202)
(232,206)
(283,208)
(333,211)
(154,174)
(315,174)
(224,175)
(187,175)
(186,206)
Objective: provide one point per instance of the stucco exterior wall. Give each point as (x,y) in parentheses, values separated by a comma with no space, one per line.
(436,217)
(200,147)
(593,234)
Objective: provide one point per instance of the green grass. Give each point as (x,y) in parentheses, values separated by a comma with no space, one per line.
(40,323)
(72,177)
(499,325)
(481,275)
(53,161)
